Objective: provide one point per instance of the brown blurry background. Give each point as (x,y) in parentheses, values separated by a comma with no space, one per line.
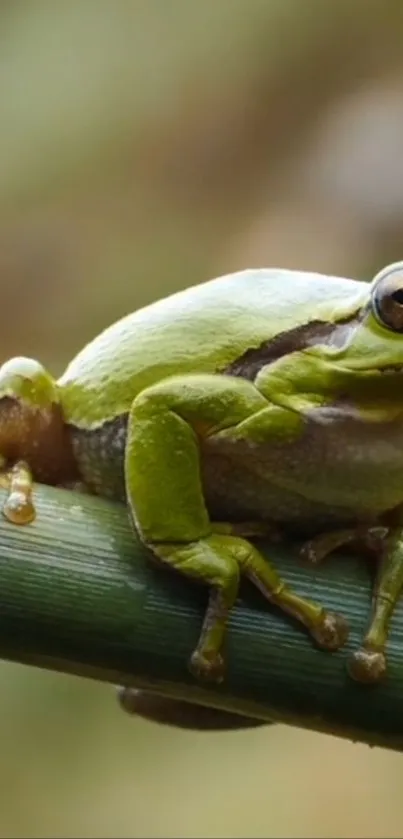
(144,147)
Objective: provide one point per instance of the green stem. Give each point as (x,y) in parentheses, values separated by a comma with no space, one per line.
(78,594)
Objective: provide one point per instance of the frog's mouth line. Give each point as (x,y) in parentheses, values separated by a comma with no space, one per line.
(251,362)
(335,335)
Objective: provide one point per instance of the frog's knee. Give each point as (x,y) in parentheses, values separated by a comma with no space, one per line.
(151,399)
(206,401)
(211,558)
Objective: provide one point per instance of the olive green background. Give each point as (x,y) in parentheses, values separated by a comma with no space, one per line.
(147,145)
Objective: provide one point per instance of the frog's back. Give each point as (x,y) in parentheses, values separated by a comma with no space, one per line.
(202,329)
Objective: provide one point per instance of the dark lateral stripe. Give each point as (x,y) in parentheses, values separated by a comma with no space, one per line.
(251,362)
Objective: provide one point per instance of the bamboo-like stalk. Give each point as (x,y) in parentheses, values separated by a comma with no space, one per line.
(78,594)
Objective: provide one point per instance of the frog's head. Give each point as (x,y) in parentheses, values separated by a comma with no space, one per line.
(367,346)
(31,419)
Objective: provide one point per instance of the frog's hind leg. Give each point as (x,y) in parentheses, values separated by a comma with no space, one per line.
(164,491)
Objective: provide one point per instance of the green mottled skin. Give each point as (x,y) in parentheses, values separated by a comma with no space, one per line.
(266,396)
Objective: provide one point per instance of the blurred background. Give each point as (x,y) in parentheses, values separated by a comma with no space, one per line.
(147,145)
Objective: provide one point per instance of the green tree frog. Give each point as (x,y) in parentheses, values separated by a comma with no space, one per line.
(262,399)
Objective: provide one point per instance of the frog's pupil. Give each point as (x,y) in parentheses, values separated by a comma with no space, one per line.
(397,296)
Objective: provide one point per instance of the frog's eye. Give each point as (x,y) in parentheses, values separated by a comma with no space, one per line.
(387,298)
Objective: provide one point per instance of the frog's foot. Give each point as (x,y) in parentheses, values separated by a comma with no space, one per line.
(211,561)
(328,629)
(206,662)
(367,665)
(331,632)
(207,666)
(18,507)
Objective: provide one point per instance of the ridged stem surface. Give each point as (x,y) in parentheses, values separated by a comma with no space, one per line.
(79,594)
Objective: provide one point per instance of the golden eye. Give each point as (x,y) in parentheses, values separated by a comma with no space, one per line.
(387,297)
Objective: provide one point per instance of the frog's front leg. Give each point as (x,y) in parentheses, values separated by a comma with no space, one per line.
(368,663)
(165,495)
(18,507)
(368,537)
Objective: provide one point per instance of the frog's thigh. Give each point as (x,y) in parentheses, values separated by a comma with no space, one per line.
(165,494)
(162,452)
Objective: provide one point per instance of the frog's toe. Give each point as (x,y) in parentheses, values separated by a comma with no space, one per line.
(367,665)
(331,632)
(207,666)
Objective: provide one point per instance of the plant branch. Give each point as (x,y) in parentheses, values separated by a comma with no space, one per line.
(78,594)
